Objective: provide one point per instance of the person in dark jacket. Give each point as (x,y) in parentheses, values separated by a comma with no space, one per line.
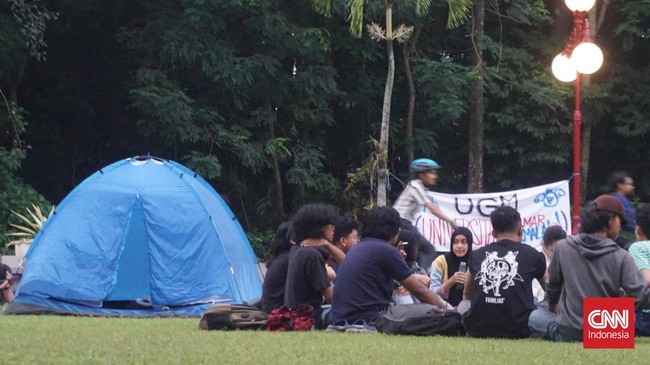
(590,264)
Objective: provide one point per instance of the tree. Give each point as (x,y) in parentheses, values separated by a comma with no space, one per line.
(22,32)
(458,11)
(525,136)
(477,107)
(241,92)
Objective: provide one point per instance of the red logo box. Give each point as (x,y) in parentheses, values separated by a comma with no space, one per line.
(608,323)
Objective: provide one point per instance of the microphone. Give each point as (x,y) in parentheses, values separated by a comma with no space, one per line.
(461,268)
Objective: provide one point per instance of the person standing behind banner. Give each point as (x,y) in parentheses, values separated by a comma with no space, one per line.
(411,200)
(621,186)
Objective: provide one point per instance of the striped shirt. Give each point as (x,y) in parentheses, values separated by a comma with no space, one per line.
(640,252)
(411,200)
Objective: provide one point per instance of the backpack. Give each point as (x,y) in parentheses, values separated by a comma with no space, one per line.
(233,317)
(420,320)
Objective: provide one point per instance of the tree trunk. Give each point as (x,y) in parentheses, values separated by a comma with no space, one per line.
(277,176)
(409,48)
(13,93)
(477,107)
(382,157)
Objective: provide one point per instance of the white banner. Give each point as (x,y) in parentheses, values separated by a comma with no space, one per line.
(540,207)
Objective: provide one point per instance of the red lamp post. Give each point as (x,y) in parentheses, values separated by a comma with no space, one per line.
(580,56)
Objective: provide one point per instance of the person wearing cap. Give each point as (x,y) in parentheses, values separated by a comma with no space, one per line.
(589,264)
(411,201)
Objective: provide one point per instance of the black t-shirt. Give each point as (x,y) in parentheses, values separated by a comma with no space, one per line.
(502,296)
(4,271)
(364,282)
(274,283)
(306,278)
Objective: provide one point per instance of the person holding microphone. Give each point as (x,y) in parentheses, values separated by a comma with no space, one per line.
(448,272)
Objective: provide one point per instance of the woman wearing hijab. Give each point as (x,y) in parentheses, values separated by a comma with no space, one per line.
(448,270)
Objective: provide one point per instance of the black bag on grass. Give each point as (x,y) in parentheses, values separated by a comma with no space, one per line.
(233,317)
(421,320)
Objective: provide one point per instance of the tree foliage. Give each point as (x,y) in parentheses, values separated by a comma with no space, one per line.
(276,105)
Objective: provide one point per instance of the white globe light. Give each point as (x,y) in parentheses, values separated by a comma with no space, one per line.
(587,58)
(580,5)
(563,69)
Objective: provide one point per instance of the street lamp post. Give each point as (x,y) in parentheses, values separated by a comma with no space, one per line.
(580,56)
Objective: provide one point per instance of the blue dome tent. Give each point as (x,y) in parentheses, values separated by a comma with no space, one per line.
(141,237)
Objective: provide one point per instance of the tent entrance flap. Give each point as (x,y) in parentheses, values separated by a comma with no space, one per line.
(133,273)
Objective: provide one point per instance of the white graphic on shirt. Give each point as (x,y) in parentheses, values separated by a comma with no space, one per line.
(497,270)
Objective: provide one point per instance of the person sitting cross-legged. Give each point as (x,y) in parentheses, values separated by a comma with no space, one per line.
(365,279)
(590,264)
(499,281)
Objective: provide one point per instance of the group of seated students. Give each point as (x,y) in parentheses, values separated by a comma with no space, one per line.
(505,289)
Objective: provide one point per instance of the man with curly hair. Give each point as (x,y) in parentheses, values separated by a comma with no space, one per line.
(307,280)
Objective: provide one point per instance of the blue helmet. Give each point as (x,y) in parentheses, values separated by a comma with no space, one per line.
(424,165)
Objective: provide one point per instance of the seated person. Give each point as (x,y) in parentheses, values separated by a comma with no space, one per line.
(6,278)
(590,264)
(448,272)
(410,253)
(307,278)
(640,252)
(276,273)
(552,235)
(365,279)
(499,281)
(346,235)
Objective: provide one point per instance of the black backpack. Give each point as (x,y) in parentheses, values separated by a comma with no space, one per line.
(233,317)
(420,320)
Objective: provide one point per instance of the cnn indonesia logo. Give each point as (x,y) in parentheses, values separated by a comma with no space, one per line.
(608,323)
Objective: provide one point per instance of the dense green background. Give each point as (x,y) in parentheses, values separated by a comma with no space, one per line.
(277,106)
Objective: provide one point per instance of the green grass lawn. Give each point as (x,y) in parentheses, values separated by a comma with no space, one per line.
(82,340)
